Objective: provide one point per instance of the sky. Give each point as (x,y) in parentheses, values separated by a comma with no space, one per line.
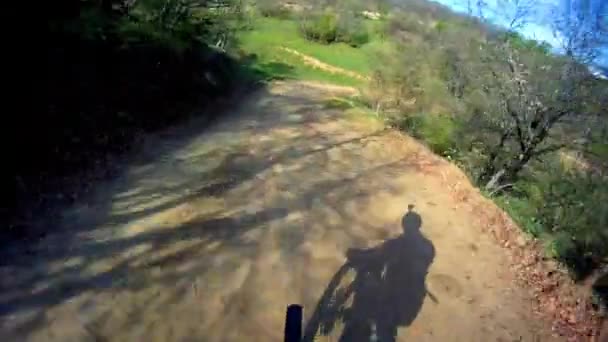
(538,23)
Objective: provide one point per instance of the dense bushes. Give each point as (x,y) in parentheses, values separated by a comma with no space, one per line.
(437,130)
(352,30)
(325,22)
(568,208)
(329,27)
(320,27)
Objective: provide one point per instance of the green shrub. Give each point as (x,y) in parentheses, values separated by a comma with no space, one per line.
(437,131)
(352,30)
(441,26)
(355,37)
(379,29)
(575,211)
(599,150)
(567,209)
(328,27)
(519,42)
(522,213)
(320,27)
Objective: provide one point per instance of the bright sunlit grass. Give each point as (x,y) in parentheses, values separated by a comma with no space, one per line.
(269,35)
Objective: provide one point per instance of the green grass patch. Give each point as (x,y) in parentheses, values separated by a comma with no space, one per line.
(567,211)
(522,212)
(599,150)
(270,34)
(272,63)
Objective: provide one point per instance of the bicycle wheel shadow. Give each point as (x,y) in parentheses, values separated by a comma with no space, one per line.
(387,291)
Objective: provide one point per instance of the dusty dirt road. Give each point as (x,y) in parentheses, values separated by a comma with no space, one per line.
(211,232)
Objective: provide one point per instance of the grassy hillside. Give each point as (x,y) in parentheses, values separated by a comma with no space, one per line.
(268,36)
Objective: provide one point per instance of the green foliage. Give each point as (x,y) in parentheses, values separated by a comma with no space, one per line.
(328,27)
(442,26)
(599,150)
(143,32)
(437,131)
(522,213)
(575,210)
(270,35)
(567,209)
(320,27)
(91,24)
(352,30)
(378,29)
(519,42)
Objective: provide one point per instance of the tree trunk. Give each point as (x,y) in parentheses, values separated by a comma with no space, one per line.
(490,168)
(509,173)
(514,169)
(496,180)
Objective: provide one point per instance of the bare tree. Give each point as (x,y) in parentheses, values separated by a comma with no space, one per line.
(522,10)
(514,13)
(581,29)
(527,95)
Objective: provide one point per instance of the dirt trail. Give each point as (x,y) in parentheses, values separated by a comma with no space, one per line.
(210,233)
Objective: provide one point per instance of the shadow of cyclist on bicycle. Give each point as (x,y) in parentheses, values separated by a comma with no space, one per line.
(387,292)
